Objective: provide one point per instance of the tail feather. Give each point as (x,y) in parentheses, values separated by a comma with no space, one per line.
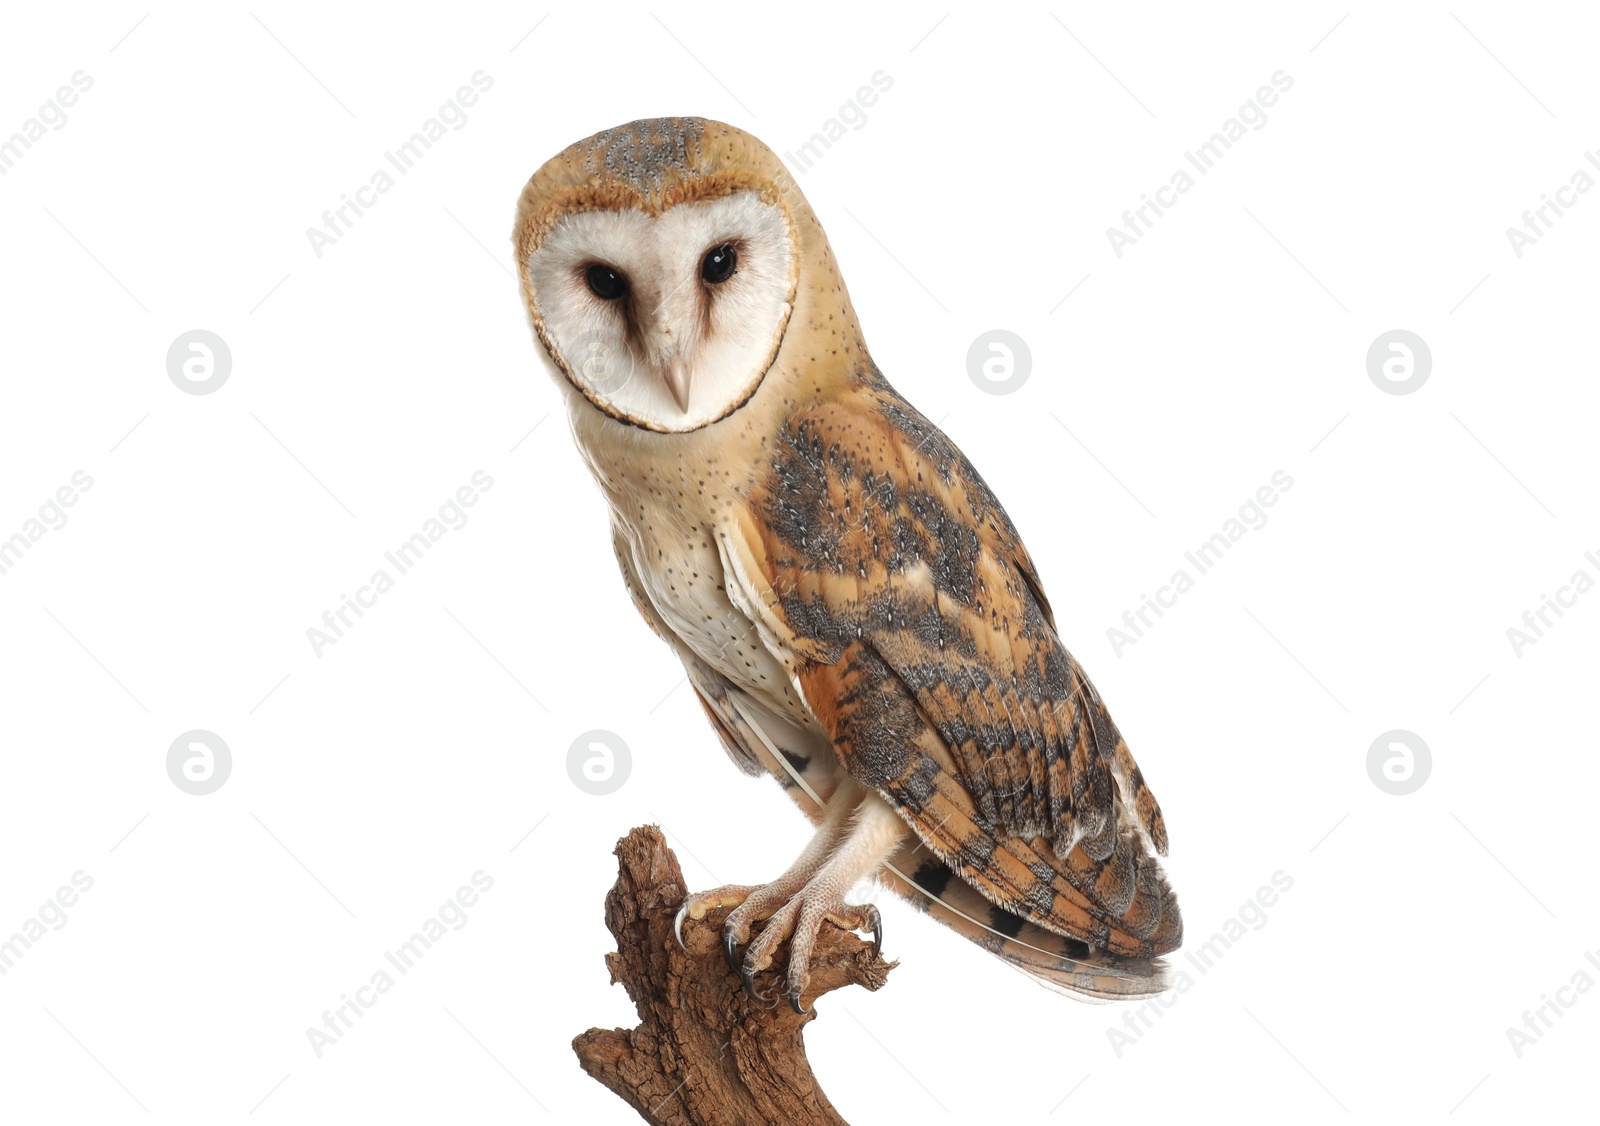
(1065,965)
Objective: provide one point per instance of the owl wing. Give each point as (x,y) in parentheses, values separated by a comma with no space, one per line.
(877,561)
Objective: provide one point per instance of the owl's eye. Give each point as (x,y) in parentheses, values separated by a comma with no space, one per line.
(604,282)
(717,266)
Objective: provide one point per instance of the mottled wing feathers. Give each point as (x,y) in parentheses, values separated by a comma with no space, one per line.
(1064,964)
(878,558)
(1118,903)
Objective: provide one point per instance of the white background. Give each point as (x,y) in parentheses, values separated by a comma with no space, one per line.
(367,385)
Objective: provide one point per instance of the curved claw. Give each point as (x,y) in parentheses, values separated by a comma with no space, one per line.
(749,982)
(877,935)
(794,1003)
(730,947)
(677,925)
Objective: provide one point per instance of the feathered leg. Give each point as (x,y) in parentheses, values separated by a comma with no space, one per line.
(873,831)
(754,902)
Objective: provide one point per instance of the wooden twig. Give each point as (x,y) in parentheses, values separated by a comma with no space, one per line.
(705,1053)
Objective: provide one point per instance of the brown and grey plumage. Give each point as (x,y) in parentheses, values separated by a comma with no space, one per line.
(855,610)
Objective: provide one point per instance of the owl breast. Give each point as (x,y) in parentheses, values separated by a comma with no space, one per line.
(674,562)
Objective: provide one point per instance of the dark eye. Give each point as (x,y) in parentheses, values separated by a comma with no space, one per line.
(604,282)
(718,264)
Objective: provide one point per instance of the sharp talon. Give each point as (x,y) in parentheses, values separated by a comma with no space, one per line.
(877,937)
(677,925)
(794,1003)
(730,947)
(749,982)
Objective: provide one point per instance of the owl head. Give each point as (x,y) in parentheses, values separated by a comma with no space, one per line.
(663,263)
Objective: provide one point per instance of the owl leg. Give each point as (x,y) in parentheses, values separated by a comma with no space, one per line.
(752,903)
(873,833)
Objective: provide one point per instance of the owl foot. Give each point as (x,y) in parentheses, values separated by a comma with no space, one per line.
(697,905)
(858,833)
(753,903)
(750,903)
(799,920)
(762,903)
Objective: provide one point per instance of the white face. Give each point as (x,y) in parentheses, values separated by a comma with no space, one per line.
(667,322)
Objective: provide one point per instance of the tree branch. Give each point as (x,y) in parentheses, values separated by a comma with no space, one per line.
(706,1054)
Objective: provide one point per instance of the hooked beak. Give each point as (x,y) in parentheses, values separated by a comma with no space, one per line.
(677,380)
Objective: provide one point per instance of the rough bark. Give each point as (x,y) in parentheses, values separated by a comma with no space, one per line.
(704,1053)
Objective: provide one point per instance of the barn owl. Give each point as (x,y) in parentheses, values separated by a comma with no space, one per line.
(855,611)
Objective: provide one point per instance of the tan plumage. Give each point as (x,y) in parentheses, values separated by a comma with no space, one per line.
(855,610)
